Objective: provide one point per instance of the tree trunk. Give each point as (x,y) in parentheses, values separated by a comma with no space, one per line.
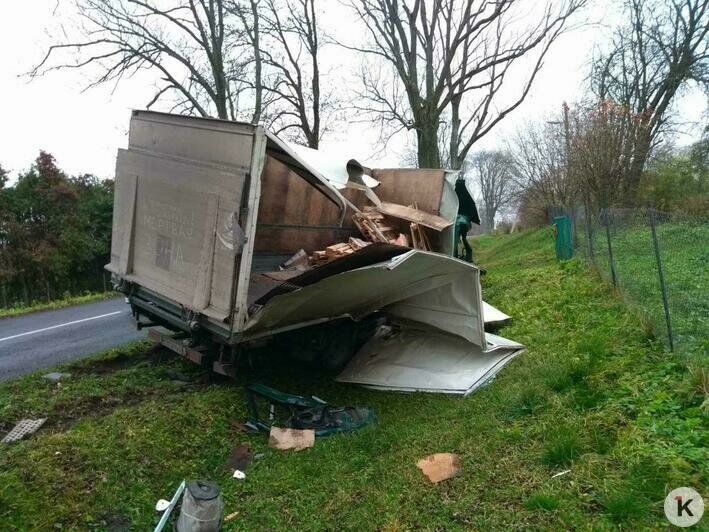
(632,183)
(455,162)
(488,220)
(427,137)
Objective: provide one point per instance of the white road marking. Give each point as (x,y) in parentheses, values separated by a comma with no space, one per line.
(62,325)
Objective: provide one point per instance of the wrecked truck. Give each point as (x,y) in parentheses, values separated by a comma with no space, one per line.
(210,214)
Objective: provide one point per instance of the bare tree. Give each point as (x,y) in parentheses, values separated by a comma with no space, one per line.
(538,152)
(294,59)
(492,173)
(663,46)
(602,153)
(450,53)
(183,41)
(249,15)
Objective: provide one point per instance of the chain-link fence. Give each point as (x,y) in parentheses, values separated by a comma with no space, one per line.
(658,261)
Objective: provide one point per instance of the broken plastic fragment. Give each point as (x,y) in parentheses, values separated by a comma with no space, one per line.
(161,505)
(239,474)
(22,429)
(440,466)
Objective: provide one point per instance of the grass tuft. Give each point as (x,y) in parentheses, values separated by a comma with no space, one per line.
(624,505)
(542,501)
(564,445)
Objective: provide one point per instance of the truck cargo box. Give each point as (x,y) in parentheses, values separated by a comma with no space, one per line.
(206,211)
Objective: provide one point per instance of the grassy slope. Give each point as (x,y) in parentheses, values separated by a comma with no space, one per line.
(55,304)
(591,394)
(684,255)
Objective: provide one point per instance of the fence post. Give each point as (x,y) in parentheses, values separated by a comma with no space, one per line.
(589,234)
(611,264)
(661,275)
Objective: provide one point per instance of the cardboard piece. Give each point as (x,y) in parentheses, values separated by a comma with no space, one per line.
(287,439)
(440,466)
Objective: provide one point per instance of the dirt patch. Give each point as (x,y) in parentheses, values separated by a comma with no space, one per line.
(153,356)
(65,414)
(113,522)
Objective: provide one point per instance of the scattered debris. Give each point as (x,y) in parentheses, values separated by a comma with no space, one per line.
(244,427)
(161,505)
(56,376)
(299,412)
(239,460)
(285,439)
(419,238)
(297,261)
(202,507)
(561,473)
(440,466)
(413,214)
(22,429)
(336,251)
(167,511)
(371,224)
(231,516)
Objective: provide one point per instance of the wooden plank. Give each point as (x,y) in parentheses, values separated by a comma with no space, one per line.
(406,185)
(413,215)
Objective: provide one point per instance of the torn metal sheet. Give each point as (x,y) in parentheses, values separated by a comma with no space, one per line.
(330,164)
(494,316)
(419,360)
(425,287)
(439,345)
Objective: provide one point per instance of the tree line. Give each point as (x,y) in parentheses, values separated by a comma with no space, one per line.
(55,233)
(446,71)
(614,146)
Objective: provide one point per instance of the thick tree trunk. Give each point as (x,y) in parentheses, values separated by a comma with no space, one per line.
(428,154)
(632,182)
(455,162)
(488,220)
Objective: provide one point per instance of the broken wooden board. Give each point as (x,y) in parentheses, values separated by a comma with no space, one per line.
(440,466)
(414,215)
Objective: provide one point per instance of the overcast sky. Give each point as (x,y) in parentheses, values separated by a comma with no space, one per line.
(84,129)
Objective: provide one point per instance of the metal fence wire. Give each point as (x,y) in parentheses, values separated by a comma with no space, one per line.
(659,263)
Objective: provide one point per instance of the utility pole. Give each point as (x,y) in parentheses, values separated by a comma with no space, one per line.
(567,137)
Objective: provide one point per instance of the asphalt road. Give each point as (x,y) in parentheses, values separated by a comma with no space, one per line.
(44,339)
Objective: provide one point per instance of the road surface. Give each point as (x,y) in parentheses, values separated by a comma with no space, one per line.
(44,339)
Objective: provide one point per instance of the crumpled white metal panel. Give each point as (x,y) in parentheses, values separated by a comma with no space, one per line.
(422,286)
(417,360)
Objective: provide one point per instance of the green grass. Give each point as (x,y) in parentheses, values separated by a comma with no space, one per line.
(684,255)
(68,301)
(592,394)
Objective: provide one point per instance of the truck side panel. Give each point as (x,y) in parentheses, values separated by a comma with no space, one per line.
(177,237)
